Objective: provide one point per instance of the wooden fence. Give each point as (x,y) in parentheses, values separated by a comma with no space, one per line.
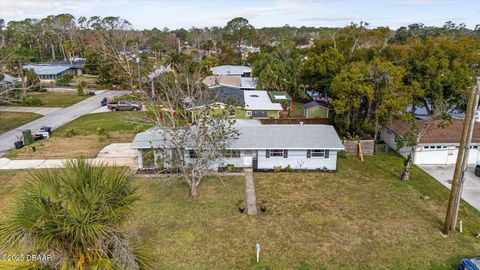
(296,121)
(351,147)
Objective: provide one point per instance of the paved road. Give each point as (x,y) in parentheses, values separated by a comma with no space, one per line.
(444,175)
(39,110)
(56,119)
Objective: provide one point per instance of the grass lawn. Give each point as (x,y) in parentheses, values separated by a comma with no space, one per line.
(11,120)
(297,110)
(86,142)
(361,217)
(55,99)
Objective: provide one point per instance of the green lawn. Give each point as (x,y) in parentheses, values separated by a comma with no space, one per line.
(297,110)
(361,217)
(11,120)
(56,99)
(87,142)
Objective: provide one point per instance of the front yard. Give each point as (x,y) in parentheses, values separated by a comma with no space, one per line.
(11,120)
(57,99)
(361,217)
(87,139)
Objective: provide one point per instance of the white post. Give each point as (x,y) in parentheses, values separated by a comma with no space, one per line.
(460,227)
(140,159)
(257,249)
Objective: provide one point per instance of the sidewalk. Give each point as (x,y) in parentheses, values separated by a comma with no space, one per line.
(250,193)
(39,110)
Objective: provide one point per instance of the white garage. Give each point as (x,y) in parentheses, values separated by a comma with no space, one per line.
(439,143)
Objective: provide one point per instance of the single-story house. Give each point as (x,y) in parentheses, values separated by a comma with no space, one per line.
(53,71)
(439,143)
(8,81)
(259,102)
(228,70)
(242,83)
(262,147)
(316,109)
(250,104)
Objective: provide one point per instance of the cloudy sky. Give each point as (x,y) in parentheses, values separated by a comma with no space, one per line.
(187,13)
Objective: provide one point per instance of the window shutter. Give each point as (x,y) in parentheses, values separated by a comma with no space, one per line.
(267,153)
(285,153)
(327,153)
(309,153)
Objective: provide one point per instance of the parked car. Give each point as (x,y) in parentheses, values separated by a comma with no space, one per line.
(125,105)
(477,169)
(470,264)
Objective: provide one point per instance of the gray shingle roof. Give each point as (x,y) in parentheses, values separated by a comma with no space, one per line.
(230,70)
(47,69)
(313,104)
(263,137)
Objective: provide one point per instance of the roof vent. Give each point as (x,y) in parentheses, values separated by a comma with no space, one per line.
(300,123)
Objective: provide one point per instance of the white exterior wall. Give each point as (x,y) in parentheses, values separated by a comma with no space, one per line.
(389,138)
(297,159)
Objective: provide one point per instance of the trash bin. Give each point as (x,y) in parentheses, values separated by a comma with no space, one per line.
(18,144)
(27,137)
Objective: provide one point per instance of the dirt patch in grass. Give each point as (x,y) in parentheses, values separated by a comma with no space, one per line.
(58,147)
(11,120)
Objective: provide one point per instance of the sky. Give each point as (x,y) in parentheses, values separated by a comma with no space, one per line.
(146,14)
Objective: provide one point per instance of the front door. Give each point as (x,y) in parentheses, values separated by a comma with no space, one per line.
(247,158)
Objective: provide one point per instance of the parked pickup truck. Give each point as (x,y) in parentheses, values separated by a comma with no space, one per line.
(124,105)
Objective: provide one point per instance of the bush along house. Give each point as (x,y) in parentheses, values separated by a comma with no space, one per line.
(261,147)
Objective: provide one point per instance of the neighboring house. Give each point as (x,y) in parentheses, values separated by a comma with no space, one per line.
(162,69)
(8,81)
(316,109)
(439,143)
(250,104)
(53,71)
(241,71)
(242,83)
(262,147)
(259,105)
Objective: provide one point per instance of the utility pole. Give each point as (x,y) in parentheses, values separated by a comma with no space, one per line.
(462,162)
(137,60)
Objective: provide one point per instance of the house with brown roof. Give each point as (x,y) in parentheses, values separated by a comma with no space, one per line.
(438,144)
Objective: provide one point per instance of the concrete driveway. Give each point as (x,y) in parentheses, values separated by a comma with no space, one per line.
(444,175)
(56,119)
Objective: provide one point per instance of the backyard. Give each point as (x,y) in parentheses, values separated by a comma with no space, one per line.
(11,120)
(361,217)
(85,136)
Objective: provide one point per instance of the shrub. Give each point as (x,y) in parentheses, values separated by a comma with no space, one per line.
(81,88)
(101,131)
(289,168)
(230,167)
(64,80)
(69,132)
(32,101)
(342,154)
(277,168)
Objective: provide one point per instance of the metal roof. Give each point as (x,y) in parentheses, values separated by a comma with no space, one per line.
(260,137)
(230,70)
(48,69)
(248,83)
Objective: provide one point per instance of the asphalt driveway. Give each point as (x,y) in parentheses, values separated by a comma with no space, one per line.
(444,175)
(55,119)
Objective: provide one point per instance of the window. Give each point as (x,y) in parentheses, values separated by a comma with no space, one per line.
(439,146)
(192,154)
(475,147)
(318,153)
(248,113)
(275,153)
(445,146)
(425,147)
(231,153)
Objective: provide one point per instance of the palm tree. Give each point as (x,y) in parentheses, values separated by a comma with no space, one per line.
(75,215)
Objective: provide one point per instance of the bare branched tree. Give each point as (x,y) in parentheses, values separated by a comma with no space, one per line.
(195,128)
